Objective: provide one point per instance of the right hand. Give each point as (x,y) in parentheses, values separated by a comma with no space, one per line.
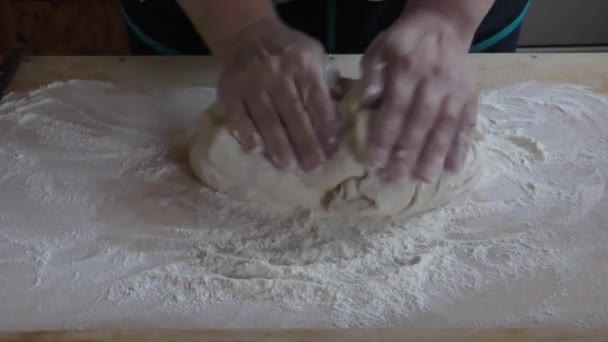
(275,85)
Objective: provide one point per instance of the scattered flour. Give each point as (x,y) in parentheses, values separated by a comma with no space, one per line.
(103,225)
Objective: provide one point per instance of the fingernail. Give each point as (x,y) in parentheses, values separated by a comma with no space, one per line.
(312,162)
(404,154)
(332,146)
(258,144)
(278,163)
(429,172)
(246,143)
(275,161)
(316,170)
(379,157)
(394,174)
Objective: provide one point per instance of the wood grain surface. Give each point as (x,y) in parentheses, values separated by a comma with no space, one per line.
(494,70)
(167,72)
(337,335)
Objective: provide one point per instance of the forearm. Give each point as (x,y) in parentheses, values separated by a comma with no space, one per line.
(218,21)
(467,14)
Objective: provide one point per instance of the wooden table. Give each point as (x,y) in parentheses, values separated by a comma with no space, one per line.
(350,335)
(494,70)
(161,72)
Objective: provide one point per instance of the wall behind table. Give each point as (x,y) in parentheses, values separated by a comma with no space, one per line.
(71,27)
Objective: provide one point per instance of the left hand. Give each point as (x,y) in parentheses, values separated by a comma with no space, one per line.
(417,77)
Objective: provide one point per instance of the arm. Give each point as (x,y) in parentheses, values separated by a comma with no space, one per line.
(273,81)
(466,14)
(418,72)
(219,21)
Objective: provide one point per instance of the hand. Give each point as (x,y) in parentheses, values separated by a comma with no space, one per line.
(418,80)
(275,85)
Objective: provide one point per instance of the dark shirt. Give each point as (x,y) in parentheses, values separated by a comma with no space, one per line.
(342,26)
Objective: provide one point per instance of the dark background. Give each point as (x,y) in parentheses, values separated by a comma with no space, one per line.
(65,27)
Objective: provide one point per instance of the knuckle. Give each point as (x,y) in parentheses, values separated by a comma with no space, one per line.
(303,142)
(274,65)
(427,101)
(265,122)
(286,99)
(404,155)
(443,71)
(264,101)
(297,109)
(275,130)
(291,60)
(379,141)
(424,119)
(405,61)
(323,105)
(413,138)
(387,125)
(441,142)
(449,73)
(389,131)
(396,97)
(449,119)
(299,58)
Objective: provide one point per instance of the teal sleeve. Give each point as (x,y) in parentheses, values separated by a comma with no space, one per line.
(502,34)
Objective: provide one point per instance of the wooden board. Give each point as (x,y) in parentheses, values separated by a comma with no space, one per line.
(495,70)
(166,72)
(350,335)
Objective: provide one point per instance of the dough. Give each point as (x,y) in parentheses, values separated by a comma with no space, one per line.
(344,185)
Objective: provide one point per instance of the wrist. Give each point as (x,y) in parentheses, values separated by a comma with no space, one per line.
(257,32)
(464,16)
(220,23)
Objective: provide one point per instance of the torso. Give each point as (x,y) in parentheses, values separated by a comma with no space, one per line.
(343,26)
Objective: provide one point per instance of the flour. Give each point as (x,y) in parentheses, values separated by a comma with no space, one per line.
(103,225)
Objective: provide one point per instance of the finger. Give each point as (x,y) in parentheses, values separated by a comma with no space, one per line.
(432,158)
(316,99)
(373,52)
(340,87)
(239,125)
(385,125)
(373,69)
(462,141)
(372,85)
(276,144)
(419,121)
(299,127)
(332,77)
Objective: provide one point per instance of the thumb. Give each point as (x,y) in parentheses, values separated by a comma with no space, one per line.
(338,85)
(372,74)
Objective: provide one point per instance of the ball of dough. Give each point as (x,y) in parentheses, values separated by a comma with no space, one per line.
(344,185)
